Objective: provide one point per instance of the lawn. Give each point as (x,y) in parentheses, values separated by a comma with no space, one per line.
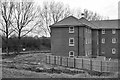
(34,66)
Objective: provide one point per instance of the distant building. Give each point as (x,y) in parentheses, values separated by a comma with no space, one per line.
(80,37)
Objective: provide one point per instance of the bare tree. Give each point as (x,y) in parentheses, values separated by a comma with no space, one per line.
(78,13)
(6,20)
(45,16)
(58,11)
(53,12)
(26,19)
(90,15)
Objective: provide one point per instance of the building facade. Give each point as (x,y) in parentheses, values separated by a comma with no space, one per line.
(79,37)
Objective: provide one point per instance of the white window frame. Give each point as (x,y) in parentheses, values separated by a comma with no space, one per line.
(70,53)
(71,43)
(103,40)
(103,31)
(113,50)
(114,40)
(71,30)
(113,31)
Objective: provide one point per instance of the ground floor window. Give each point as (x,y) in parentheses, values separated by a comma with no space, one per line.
(113,51)
(88,53)
(71,53)
(71,41)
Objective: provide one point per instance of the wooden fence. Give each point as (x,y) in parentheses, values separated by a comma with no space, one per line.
(82,63)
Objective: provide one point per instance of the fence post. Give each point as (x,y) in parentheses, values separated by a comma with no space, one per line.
(101,67)
(82,63)
(61,61)
(74,62)
(90,64)
(46,58)
(67,61)
(49,59)
(54,60)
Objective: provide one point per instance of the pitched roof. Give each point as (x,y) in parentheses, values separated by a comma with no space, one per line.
(107,24)
(86,22)
(72,21)
(68,21)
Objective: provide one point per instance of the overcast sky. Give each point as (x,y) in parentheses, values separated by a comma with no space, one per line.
(103,7)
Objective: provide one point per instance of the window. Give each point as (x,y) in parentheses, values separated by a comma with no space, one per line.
(113,31)
(113,51)
(71,29)
(71,54)
(103,40)
(71,41)
(103,31)
(114,40)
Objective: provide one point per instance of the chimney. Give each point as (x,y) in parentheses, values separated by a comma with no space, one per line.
(82,15)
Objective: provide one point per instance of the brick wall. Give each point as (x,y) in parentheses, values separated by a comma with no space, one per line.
(94,42)
(87,36)
(108,45)
(60,41)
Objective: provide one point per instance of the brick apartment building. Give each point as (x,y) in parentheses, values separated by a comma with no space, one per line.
(80,37)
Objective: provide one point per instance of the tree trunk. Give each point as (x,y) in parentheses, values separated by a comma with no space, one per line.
(19,43)
(7,46)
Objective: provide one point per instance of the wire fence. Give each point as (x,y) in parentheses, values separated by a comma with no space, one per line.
(83,63)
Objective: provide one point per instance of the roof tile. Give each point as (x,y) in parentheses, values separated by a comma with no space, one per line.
(108,24)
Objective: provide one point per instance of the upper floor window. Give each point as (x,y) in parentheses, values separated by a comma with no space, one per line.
(71,42)
(114,40)
(103,40)
(71,29)
(103,31)
(71,54)
(113,31)
(113,51)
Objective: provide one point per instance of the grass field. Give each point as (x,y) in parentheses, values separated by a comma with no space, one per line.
(27,65)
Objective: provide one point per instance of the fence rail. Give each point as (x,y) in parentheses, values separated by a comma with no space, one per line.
(82,63)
